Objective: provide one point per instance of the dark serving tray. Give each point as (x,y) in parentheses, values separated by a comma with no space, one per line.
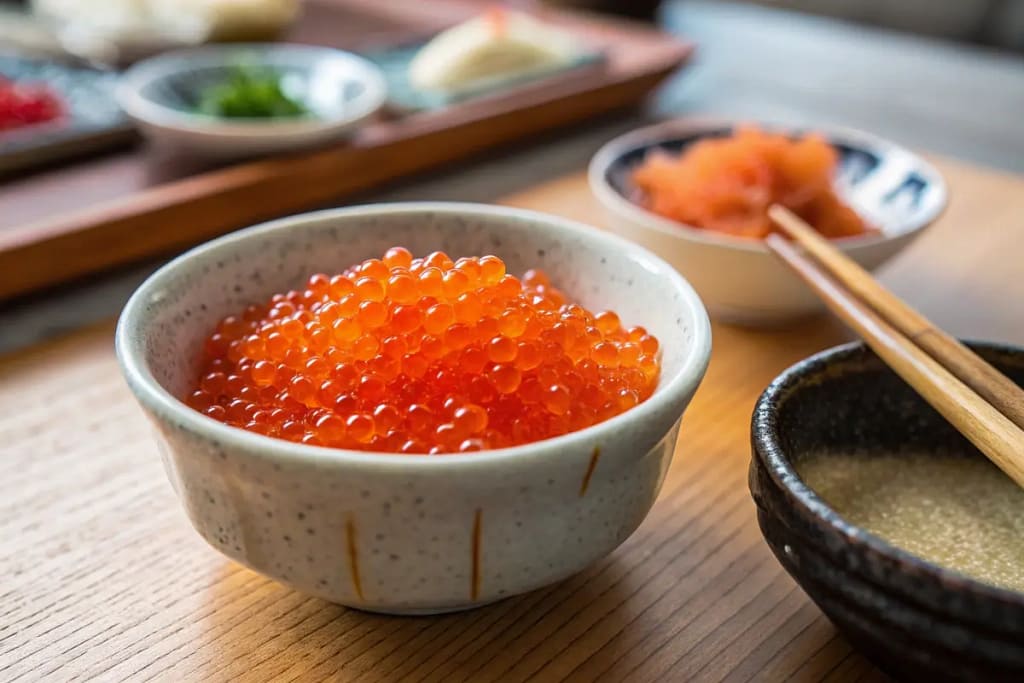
(94,121)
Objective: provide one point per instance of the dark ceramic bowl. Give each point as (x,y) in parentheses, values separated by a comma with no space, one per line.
(914,619)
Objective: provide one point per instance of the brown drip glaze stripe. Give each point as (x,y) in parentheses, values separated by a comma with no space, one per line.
(353,555)
(474,588)
(590,470)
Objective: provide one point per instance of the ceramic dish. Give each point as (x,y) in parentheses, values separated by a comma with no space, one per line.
(739,279)
(91,122)
(913,618)
(399,533)
(404,96)
(339,89)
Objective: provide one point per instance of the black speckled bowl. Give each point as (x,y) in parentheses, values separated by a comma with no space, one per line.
(914,619)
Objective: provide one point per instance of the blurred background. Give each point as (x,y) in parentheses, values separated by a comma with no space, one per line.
(944,76)
(995,23)
(998,23)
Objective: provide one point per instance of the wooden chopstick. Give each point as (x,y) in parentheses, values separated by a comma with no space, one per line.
(967,366)
(993,433)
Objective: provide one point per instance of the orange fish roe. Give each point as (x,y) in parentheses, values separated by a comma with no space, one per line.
(727,185)
(423,355)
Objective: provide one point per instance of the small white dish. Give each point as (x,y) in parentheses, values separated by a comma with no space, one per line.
(740,280)
(340,90)
(400,533)
(497,47)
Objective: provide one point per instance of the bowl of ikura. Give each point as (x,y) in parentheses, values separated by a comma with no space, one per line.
(415,408)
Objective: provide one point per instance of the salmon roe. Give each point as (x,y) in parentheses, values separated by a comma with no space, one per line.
(423,355)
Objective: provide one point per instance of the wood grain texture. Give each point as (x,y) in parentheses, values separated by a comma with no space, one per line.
(84,218)
(104,579)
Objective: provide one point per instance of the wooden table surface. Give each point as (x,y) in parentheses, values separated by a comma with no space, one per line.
(104,579)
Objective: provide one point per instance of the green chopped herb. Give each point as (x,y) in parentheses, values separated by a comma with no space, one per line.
(250,93)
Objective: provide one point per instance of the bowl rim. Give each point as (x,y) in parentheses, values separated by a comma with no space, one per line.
(129,347)
(613,150)
(131,83)
(769,452)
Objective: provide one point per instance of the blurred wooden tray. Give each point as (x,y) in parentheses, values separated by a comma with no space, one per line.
(68,222)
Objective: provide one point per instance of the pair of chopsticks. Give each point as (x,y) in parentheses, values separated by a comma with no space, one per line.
(980,402)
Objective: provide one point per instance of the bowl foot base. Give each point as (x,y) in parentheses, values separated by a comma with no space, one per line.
(422,611)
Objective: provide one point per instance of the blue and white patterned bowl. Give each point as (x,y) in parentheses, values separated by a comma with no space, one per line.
(339,89)
(400,533)
(739,279)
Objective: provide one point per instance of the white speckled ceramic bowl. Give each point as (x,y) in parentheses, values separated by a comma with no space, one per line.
(739,280)
(400,533)
(340,90)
